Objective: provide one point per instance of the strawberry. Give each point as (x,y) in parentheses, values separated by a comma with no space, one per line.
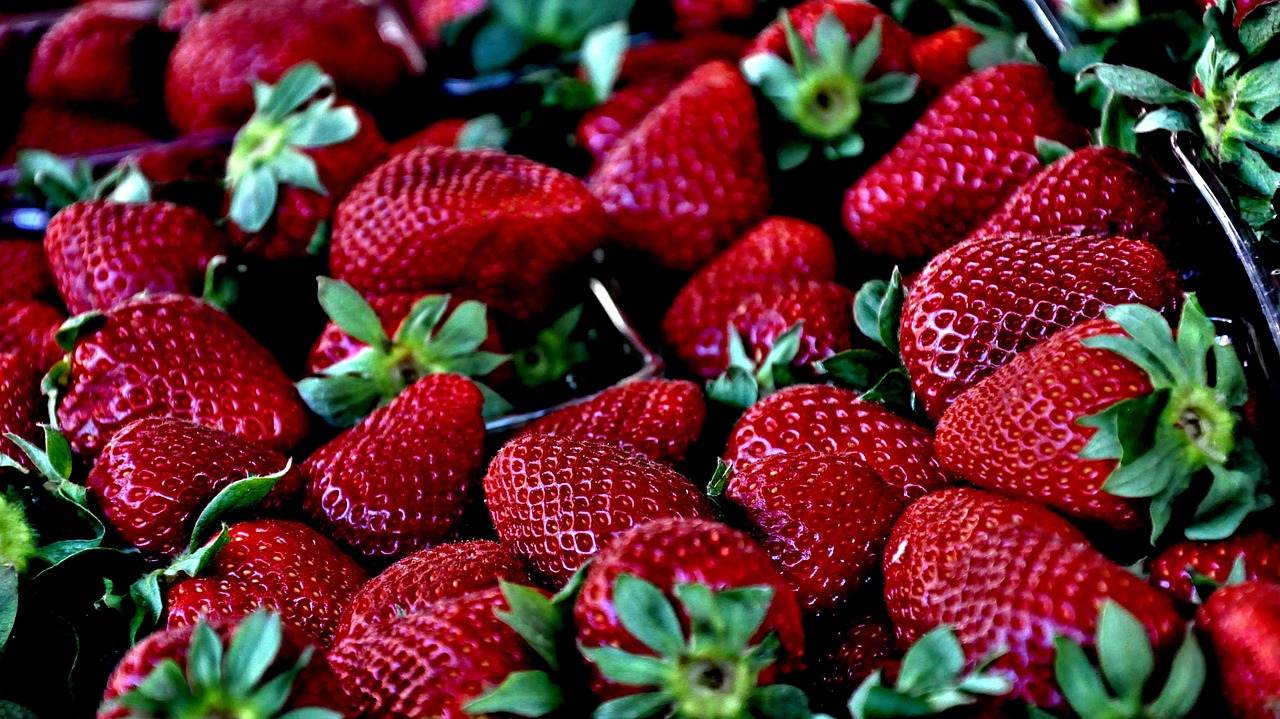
(398,481)
(838,663)
(1046,426)
(1178,568)
(658,418)
(28,276)
(64,131)
(103,252)
(488,225)
(174,356)
(690,178)
(557,500)
(961,159)
(1242,624)
(20,406)
(680,56)
(942,58)
(660,596)
(87,56)
(979,303)
(30,328)
(1010,578)
(1092,191)
(178,14)
(434,17)
(819,418)
(708,14)
(823,518)
(422,579)
(284,566)
(155,476)
(221,54)
(603,127)
(478,132)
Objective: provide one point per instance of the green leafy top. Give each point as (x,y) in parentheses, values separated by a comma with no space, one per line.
(554,352)
(1100,15)
(876,374)
(515,27)
(17,539)
(483,131)
(600,63)
(746,382)
(57,182)
(541,622)
(931,680)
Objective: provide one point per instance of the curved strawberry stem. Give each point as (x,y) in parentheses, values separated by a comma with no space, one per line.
(931,680)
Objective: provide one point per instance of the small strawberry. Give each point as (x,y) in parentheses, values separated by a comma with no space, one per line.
(961,159)
(491,226)
(690,178)
(398,481)
(479,132)
(1110,416)
(27,276)
(978,304)
(1242,624)
(20,406)
(819,418)
(1180,567)
(87,56)
(174,356)
(941,59)
(708,14)
(858,19)
(64,131)
(556,501)
(31,328)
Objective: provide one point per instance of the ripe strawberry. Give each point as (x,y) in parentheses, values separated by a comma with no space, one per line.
(422,579)
(979,303)
(30,328)
(220,55)
(625,615)
(556,500)
(823,518)
(20,404)
(941,59)
(1093,191)
(1045,426)
(488,225)
(478,132)
(27,271)
(820,418)
(961,159)
(157,474)
(1176,567)
(1009,575)
(837,664)
(64,131)
(103,252)
(178,14)
(87,56)
(285,566)
(707,14)
(690,178)
(398,481)
(175,356)
(604,126)
(1242,624)
(658,418)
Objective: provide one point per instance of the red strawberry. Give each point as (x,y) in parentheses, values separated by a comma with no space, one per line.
(483,131)
(690,178)
(857,17)
(178,14)
(707,14)
(489,225)
(175,356)
(103,252)
(819,312)
(1174,568)
(980,303)
(156,475)
(433,17)
(961,159)
(680,56)
(422,579)
(603,127)
(1093,191)
(823,518)
(658,418)
(819,418)
(184,160)
(63,131)
(1242,623)
(838,663)
(1009,575)
(398,481)
(942,58)
(87,57)
(556,500)
(30,328)
(695,562)
(27,271)
(20,404)
(1045,427)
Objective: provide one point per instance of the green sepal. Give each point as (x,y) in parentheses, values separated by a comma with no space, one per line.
(554,352)
(485,131)
(931,680)
(515,27)
(75,328)
(222,283)
(535,618)
(53,181)
(876,374)
(526,694)
(124,183)
(568,594)
(1050,151)
(1102,16)
(53,384)
(877,310)
(1203,587)
(238,496)
(746,381)
(719,479)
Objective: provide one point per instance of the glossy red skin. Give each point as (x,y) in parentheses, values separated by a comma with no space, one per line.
(691,177)
(969,151)
(603,126)
(432,17)
(103,252)
(433,663)
(489,225)
(556,501)
(1242,623)
(766,312)
(659,418)
(26,275)
(707,14)
(444,133)
(30,327)
(823,519)
(422,579)
(670,551)
(979,303)
(838,664)
(86,57)
(156,475)
(1018,432)
(175,356)
(858,19)
(1093,191)
(20,404)
(220,53)
(1009,574)
(64,131)
(821,418)
(398,481)
(1170,569)
(941,59)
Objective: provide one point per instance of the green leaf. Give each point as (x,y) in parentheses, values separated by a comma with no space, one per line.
(1140,84)
(793,153)
(496,46)
(932,662)
(253,200)
(647,615)
(495,405)
(340,400)
(352,313)
(147,605)
(254,646)
(483,131)
(9,710)
(877,310)
(1259,28)
(1185,683)
(311,713)
(831,41)
(866,52)
(238,496)
(534,618)
(204,658)
(1050,151)
(1149,474)
(322,125)
(295,87)
(82,325)
(635,706)
(298,169)
(1165,118)
(416,328)
(526,694)
(8,603)
(1152,333)
(737,387)
(635,670)
(891,88)
(780,701)
(568,594)
(1124,651)
(465,329)
(744,610)
(1079,680)
(602,54)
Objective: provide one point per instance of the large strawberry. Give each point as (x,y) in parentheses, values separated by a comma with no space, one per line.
(65,131)
(1179,567)
(1111,416)
(27,276)
(1242,624)
(174,356)
(556,501)
(19,404)
(978,304)
(965,155)
(492,226)
(690,178)
(87,56)
(30,327)
(398,481)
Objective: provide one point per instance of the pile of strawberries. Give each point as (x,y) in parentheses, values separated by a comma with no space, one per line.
(950,426)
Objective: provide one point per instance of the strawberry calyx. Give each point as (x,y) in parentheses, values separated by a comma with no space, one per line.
(747,380)
(514,28)
(554,353)
(825,92)
(875,373)
(541,621)
(931,679)
(600,63)
(57,182)
(1102,15)
(1117,686)
(1189,422)
(294,115)
(483,131)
